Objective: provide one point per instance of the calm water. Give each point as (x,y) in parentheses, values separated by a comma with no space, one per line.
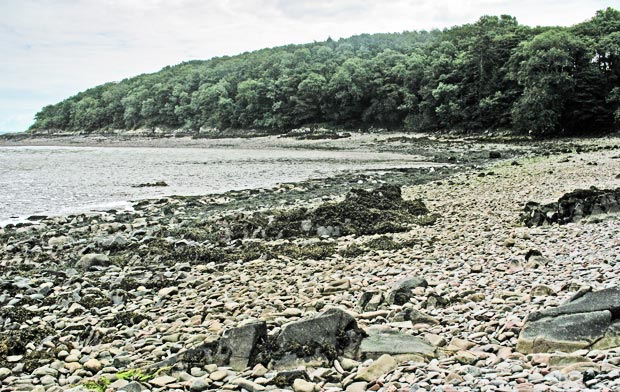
(60,180)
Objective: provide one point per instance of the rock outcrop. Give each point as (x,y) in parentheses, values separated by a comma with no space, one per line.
(589,320)
(378,211)
(314,341)
(572,207)
(318,339)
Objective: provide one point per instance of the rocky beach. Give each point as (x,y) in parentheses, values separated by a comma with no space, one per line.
(489,273)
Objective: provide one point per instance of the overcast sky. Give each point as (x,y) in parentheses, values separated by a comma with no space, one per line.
(52,49)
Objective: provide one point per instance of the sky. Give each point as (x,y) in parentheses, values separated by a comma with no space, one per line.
(53,49)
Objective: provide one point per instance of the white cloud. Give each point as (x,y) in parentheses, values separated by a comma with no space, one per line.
(55,48)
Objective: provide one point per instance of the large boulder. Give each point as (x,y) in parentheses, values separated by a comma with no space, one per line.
(238,348)
(572,207)
(315,340)
(590,320)
(318,339)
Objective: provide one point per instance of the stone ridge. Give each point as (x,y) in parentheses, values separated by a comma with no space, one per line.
(588,321)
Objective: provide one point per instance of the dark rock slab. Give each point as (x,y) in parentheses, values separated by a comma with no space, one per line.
(572,207)
(321,338)
(362,212)
(238,346)
(585,302)
(589,320)
(401,292)
(316,340)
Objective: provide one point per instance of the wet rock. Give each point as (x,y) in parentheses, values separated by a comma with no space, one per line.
(588,320)
(91,260)
(572,207)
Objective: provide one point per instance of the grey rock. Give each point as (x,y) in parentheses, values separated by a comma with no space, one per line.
(572,207)
(198,385)
(248,385)
(93,260)
(301,385)
(83,389)
(238,346)
(401,292)
(133,386)
(4,373)
(333,330)
(588,320)
(381,342)
(584,302)
(381,366)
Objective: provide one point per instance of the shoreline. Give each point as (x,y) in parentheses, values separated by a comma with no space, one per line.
(172,284)
(356,150)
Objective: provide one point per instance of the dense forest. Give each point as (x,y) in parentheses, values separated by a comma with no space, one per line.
(491,74)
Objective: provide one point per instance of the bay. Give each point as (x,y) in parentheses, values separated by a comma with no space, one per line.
(63,180)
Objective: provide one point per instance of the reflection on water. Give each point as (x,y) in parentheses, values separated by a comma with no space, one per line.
(57,180)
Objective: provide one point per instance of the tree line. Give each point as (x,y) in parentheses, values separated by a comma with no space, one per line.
(491,74)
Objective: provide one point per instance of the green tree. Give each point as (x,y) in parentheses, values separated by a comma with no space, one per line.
(546,66)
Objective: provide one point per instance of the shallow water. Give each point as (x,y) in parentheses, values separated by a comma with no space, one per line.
(61,180)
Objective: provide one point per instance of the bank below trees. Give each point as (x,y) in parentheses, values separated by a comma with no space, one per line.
(492,74)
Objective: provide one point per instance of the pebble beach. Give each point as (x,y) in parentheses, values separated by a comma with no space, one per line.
(70,322)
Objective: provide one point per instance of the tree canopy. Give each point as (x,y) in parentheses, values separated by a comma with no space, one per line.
(491,74)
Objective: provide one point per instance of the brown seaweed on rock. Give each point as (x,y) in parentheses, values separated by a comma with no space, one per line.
(378,211)
(572,207)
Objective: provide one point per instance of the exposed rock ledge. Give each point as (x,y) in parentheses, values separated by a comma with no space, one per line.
(589,320)
(572,207)
(316,340)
